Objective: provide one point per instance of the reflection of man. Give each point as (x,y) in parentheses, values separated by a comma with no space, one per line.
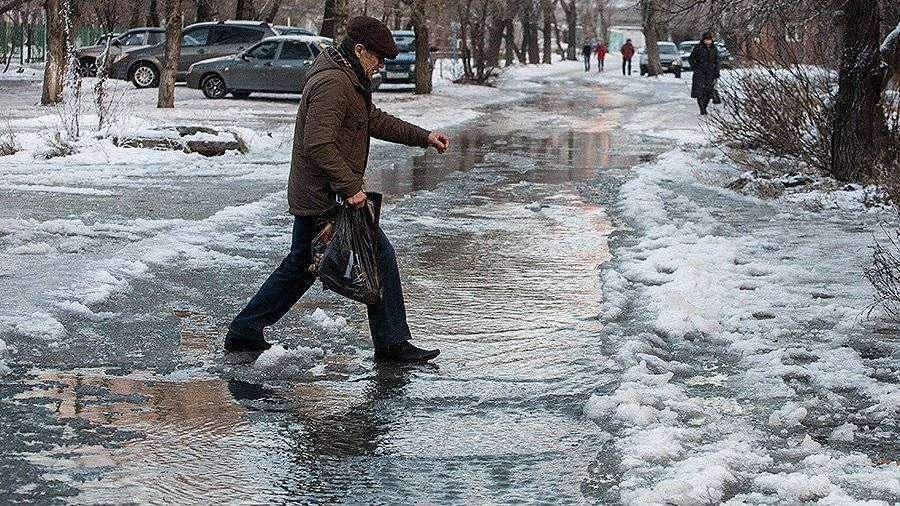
(331,147)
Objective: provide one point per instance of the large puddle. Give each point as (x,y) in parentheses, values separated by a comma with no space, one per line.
(499,254)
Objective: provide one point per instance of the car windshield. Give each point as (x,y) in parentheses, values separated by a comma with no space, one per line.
(134,39)
(687,46)
(668,49)
(405,44)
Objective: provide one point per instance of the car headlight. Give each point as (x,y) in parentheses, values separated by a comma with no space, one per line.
(412,67)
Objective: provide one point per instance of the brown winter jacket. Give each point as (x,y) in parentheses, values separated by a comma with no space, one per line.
(331,138)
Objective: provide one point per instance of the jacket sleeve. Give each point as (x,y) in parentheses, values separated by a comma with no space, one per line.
(692,59)
(389,128)
(326,110)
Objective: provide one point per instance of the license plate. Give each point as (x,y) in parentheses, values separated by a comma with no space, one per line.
(397,75)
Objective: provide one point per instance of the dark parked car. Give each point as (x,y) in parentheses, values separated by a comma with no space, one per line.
(275,65)
(726,59)
(200,41)
(133,39)
(669,58)
(402,69)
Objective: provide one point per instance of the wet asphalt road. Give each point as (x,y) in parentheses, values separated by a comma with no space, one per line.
(499,250)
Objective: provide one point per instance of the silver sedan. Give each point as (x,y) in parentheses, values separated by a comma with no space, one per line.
(274,65)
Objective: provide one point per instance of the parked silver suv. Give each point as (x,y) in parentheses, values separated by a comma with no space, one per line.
(200,41)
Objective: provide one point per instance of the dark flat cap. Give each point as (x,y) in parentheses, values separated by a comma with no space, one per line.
(373,34)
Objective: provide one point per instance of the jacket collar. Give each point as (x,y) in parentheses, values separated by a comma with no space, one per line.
(334,59)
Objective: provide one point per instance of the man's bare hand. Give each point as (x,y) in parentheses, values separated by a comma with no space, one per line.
(357,201)
(439,141)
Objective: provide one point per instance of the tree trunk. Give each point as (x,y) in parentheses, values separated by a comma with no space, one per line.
(651,37)
(859,120)
(137,6)
(55,60)
(495,35)
(547,14)
(153,14)
(206,11)
(478,33)
(334,20)
(509,36)
(571,28)
(174,15)
(273,11)
(530,34)
(423,43)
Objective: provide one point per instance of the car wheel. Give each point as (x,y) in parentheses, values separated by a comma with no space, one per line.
(145,75)
(88,67)
(240,94)
(213,86)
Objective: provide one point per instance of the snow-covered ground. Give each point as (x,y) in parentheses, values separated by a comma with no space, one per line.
(740,328)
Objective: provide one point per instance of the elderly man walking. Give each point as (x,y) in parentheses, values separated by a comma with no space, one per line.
(331,146)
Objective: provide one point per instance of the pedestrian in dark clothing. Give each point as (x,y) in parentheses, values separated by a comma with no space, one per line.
(627,54)
(705,64)
(601,56)
(335,122)
(586,52)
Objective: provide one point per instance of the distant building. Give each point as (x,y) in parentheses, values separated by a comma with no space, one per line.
(619,34)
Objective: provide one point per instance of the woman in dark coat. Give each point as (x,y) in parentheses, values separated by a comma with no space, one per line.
(705,64)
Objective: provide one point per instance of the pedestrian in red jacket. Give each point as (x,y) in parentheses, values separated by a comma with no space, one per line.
(627,53)
(601,55)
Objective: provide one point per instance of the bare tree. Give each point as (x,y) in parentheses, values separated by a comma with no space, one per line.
(547,15)
(174,15)
(206,10)
(137,7)
(272,12)
(529,31)
(153,14)
(859,119)
(107,13)
(334,20)
(55,61)
(419,21)
(571,10)
(649,17)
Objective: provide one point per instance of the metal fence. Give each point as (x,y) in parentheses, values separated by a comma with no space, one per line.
(24,43)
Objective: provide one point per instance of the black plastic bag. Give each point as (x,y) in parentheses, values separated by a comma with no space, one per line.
(716,98)
(345,252)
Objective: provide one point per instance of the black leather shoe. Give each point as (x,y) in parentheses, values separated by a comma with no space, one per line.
(237,343)
(405,352)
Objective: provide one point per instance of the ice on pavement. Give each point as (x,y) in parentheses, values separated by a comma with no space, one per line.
(4,369)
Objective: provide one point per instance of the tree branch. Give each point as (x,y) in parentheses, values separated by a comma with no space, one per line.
(9,5)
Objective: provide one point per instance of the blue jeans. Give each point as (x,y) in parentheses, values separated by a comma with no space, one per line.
(285,286)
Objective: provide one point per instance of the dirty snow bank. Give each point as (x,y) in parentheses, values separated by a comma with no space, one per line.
(747,377)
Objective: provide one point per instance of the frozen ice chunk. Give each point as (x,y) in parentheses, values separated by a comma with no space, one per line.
(794,486)
(844,432)
(790,415)
(280,363)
